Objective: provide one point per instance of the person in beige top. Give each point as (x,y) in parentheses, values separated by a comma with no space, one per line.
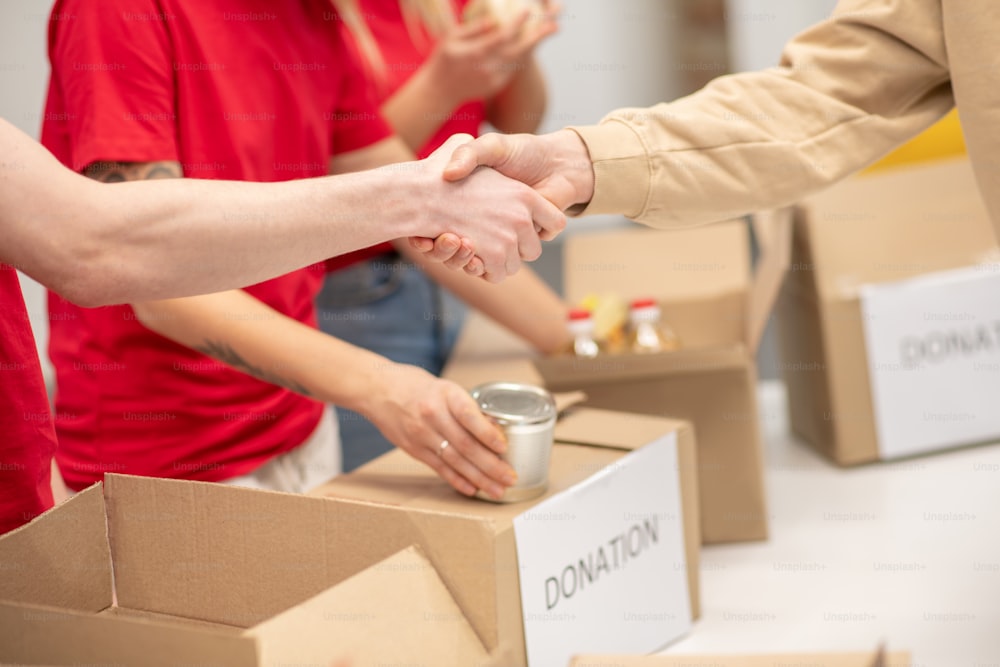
(846,92)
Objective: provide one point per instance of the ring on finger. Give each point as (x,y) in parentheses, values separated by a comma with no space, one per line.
(443,446)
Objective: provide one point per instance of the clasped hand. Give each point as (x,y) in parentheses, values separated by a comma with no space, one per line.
(555,167)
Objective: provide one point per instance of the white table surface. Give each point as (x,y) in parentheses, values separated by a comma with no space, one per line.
(905,552)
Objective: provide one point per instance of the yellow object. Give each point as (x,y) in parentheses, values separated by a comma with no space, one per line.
(941,140)
(609,313)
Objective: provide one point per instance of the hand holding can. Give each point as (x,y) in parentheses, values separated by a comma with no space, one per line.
(527,415)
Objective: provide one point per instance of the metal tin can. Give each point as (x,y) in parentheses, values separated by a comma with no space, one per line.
(527,415)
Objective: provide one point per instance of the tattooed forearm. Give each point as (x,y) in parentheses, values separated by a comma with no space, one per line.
(119,172)
(226,354)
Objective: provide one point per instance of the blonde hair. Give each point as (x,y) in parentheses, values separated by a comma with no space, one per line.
(423,18)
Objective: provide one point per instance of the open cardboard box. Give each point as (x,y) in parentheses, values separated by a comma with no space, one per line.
(776,660)
(719,308)
(528,575)
(205,574)
(890,319)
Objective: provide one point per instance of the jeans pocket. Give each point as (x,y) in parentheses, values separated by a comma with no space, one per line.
(362,283)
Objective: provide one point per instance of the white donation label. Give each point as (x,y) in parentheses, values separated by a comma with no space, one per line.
(602,565)
(934,359)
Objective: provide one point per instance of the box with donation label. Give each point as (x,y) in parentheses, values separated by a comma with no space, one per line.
(890,318)
(606,559)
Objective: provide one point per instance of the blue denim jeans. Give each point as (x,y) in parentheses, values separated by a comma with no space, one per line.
(388,306)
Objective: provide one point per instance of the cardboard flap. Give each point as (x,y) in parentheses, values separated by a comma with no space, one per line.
(212,552)
(239,556)
(570,373)
(669,265)
(773,230)
(460,546)
(62,558)
(36,635)
(567,399)
(397,612)
(606,428)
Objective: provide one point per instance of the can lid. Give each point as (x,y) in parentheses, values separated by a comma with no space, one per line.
(515,403)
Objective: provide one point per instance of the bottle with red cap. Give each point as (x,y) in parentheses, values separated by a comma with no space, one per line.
(581,327)
(648,332)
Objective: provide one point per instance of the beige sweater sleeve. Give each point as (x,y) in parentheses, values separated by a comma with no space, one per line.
(846,92)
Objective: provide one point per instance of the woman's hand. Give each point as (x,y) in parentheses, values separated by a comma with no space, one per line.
(476,60)
(437,422)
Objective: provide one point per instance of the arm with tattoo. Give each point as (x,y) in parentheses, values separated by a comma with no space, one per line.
(225,353)
(119,172)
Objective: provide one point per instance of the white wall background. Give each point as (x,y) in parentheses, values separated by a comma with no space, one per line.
(607,54)
(24,73)
(759,28)
(757,32)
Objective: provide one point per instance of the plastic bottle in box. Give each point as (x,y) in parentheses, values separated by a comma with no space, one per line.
(648,332)
(581,327)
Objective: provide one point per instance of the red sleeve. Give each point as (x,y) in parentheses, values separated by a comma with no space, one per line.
(357,122)
(114,75)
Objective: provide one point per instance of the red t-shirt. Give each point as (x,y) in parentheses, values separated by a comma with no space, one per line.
(27,437)
(250,90)
(403,57)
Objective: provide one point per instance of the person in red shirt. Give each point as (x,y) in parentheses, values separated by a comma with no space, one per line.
(239,89)
(148,240)
(435,75)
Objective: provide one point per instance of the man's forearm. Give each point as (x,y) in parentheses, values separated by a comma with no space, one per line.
(262,230)
(99,244)
(194,321)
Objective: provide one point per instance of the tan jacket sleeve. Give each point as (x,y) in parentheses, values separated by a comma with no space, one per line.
(846,92)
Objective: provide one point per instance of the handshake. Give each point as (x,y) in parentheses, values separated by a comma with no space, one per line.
(498,197)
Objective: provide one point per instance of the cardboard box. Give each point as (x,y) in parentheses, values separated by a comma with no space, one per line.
(703,280)
(890,321)
(529,575)
(776,660)
(205,574)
